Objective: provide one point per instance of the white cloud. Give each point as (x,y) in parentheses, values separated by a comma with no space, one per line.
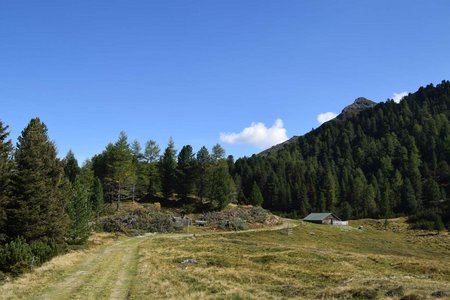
(258,135)
(397,97)
(325,117)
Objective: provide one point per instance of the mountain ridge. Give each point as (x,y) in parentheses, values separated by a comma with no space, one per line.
(359,104)
(390,160)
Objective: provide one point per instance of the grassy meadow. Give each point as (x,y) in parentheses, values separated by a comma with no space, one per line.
(314,262)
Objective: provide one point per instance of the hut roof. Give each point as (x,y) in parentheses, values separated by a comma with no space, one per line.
(318,216)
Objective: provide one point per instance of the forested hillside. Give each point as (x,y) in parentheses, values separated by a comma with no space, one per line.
(390,160)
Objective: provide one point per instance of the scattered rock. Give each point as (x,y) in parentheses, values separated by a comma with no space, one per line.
(189,262)
(311,233)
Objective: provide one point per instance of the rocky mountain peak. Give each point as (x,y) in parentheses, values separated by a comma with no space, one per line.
(355,108)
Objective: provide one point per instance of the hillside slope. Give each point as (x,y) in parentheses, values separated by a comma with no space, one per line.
(388,160)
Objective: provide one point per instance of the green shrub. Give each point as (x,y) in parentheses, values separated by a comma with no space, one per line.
(426,220)
(43,251)
(234,224)
(19,256)
(143,220)
(15,255)
(235,218)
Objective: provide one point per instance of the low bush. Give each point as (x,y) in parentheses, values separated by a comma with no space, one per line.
(233,224)
(140,220)
(237,218)
(426,220)
(19,256)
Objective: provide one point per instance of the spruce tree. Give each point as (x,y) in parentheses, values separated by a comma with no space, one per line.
(203,163)
(71,168)
(38,208)
(5,176)
(409,200)
(221,188)
(256,198)
(185,172)
(167,166)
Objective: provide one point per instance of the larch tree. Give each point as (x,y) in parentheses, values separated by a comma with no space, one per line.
(122,170)
(218,152)
(151,157)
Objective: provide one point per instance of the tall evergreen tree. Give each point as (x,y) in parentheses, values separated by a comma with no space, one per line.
(203,163)
(185,172)
(71,168)
(5,175)
(40,189)
(256,198)
(167,166)
(221,188)
(409,201)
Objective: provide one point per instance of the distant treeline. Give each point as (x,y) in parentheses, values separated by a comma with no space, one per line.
(387,161)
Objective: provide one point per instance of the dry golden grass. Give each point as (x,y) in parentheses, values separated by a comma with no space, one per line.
(315,262)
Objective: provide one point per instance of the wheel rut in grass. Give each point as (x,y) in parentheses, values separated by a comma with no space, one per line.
(107,274)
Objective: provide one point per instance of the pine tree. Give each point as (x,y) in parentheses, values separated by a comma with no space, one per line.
(79,212)
(40,189)
(167,166)
(256,198)
(5,176)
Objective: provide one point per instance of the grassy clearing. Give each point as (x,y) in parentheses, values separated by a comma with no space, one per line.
(315,262)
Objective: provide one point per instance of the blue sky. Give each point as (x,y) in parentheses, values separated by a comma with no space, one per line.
(192,70)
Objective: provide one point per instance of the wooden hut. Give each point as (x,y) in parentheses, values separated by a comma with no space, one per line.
(324,218)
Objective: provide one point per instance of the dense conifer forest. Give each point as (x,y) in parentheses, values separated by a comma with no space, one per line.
(386,161)
(390,160)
